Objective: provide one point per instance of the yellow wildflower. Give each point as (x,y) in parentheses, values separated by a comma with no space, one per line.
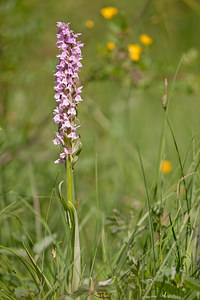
(109,12)
(146,39)
(110,46)
(134,51)
(89,24)
(165,167)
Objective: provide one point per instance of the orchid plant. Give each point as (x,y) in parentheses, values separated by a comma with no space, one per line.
(68,96)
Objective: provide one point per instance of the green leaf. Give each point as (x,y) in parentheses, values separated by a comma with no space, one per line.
(170,288)
(192,284)
(68,207)
(44,243)
(37,269)
(20,292)
(77,255)
(82,290)
(28,265)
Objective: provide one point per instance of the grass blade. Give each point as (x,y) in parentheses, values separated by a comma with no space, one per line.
(149,213)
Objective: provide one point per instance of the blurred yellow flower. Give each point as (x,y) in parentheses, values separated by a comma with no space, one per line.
(110,46)
(146,39)
(109,12)
(134,51)
(89,24)
(165,167)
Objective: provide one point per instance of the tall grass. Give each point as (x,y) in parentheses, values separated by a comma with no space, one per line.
(138,226)
(151,254)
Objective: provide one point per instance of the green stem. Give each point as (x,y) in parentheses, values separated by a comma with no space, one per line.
(76,273)
(69,181)
(161,147)
(96,182)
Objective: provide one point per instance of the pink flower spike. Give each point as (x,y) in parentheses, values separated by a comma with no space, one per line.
(67,93)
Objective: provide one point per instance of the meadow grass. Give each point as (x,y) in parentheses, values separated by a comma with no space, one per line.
(138,226)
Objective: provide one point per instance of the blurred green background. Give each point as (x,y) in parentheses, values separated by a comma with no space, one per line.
(111,124)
